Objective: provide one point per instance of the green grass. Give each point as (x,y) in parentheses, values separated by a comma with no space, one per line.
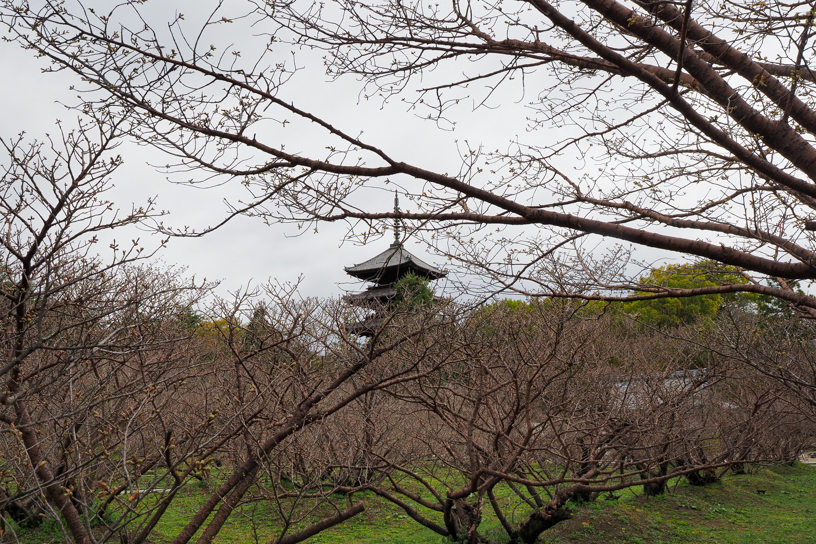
(727,512)
(380,522)
(730,512)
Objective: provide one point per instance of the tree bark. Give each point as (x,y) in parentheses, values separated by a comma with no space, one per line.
(540,521)
(45,476)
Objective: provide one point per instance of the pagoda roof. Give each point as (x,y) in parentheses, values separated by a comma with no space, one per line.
(372,295)
(392,264)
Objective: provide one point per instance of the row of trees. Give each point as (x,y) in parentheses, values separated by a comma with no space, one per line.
(117,395)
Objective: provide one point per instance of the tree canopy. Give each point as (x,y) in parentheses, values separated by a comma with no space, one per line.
(674,311)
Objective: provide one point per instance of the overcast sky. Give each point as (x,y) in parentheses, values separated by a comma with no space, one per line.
(246,251)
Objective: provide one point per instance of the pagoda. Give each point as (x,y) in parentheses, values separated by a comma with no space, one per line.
(384,271)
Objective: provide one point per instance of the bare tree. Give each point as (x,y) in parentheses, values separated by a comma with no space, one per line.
(778,348)
(692,122)
(285,374)
(527,409)
(117,393)
(60,300)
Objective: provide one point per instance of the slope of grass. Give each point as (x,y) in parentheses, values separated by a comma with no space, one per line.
(772,505)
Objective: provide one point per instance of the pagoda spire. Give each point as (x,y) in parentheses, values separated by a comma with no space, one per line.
(396,221)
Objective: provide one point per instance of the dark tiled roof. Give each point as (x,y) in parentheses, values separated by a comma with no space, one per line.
(393,263)
(372,295)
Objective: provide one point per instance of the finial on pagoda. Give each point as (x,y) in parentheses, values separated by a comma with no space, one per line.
(396,221)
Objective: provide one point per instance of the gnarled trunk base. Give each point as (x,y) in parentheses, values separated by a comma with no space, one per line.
(540,521)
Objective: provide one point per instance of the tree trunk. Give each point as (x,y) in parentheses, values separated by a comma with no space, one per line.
(46,476)
(468,516)
(462,519)
(702,477)
(654,489)
(540,521)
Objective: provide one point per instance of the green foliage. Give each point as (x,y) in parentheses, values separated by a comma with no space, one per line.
(511,305)
(490,318)
(218,328)
(413,292)
(673,312)
(258,327)
(504,306)
(189,319)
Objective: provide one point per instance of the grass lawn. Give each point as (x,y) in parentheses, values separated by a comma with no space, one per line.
(729,512)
